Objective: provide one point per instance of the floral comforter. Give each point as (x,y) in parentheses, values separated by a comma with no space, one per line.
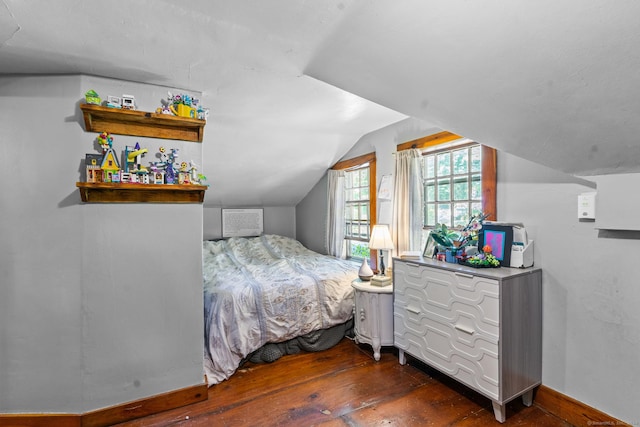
(267,289)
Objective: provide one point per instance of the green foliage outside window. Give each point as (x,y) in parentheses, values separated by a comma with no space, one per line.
(360,250)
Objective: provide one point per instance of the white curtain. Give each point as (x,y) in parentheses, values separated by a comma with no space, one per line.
(407,203)
(335,213)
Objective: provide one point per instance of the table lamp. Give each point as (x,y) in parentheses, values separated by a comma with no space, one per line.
(381,240)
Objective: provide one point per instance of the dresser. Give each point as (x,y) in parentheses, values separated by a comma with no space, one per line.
(482,327)
(373,315)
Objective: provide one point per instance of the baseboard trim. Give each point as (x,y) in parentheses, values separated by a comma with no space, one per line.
(562,406)
(114,414)
(571,410)
(40,420)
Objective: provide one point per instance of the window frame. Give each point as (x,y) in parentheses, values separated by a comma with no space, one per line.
(489,165)
(355,163)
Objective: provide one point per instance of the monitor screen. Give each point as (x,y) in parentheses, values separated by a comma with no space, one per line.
(500,238)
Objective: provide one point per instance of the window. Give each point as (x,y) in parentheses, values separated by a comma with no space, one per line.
(459,179)
(357,216)
(452,182)
(360,204)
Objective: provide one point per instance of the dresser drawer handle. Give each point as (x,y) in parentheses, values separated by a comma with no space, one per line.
(468,276)
(413,310)
(464,329)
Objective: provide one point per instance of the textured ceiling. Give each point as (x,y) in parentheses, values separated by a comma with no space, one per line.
(294,84)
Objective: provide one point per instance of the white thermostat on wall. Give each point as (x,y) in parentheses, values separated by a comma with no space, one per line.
(587,205)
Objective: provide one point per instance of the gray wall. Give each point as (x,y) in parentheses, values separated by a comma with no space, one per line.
(277,220)
(591,326)
(100,303)
(311,215)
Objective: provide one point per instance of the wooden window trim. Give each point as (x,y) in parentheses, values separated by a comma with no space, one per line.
(489,167)
(373,195)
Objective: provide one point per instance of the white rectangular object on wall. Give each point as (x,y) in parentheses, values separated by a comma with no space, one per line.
(242,222)
(587,205)
(618,202)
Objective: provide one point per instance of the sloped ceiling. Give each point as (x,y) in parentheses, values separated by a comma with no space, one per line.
(555,82)
(292,85)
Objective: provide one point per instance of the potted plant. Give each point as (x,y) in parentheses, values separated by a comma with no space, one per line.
(453,242)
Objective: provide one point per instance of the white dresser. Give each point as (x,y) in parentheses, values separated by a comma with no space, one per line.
(482,326)
(373,315)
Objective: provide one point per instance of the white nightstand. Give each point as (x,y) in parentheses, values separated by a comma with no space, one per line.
(373,315)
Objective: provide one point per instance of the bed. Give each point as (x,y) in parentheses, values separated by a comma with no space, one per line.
(269,290)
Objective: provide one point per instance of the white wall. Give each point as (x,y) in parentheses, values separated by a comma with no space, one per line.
(591,331)
(100,303)
(591,321)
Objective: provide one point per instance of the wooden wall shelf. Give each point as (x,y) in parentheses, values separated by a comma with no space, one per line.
(140,193)
(141,123)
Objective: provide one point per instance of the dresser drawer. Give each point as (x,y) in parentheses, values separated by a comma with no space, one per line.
(455,349)
(469,301)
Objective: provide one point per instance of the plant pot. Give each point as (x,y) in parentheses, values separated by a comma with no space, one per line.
(450,256)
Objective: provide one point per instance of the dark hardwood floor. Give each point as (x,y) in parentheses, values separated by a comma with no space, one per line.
(344,386)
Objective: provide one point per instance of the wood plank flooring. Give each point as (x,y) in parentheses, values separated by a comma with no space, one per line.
(344,386)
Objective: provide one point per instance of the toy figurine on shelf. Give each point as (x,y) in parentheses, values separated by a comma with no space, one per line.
(105,140)
(182,105)
(113,102)
(92,97)
(165,108)
(196,178)
(167,168)
(103,167)
(128,102)
(133,156)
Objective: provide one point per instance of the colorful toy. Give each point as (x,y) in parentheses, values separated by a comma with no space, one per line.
(133,156)
(105,140)
(182,105)
(92,97)
(92,164)
(110,165)
(114,102)
(128,102)
(105,167)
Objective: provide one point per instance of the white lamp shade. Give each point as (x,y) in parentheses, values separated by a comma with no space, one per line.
(380,238)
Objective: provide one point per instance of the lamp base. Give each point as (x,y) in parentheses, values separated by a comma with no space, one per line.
(381,264)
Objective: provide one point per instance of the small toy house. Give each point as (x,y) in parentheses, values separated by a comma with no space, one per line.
(93,163)
(109,165)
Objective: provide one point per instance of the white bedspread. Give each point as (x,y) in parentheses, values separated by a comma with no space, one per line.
(267,289)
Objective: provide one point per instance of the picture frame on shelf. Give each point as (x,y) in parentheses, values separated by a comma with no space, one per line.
(429,247)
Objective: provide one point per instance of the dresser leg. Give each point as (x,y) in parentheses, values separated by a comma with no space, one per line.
(527,398)
(499,411)
(401,357)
